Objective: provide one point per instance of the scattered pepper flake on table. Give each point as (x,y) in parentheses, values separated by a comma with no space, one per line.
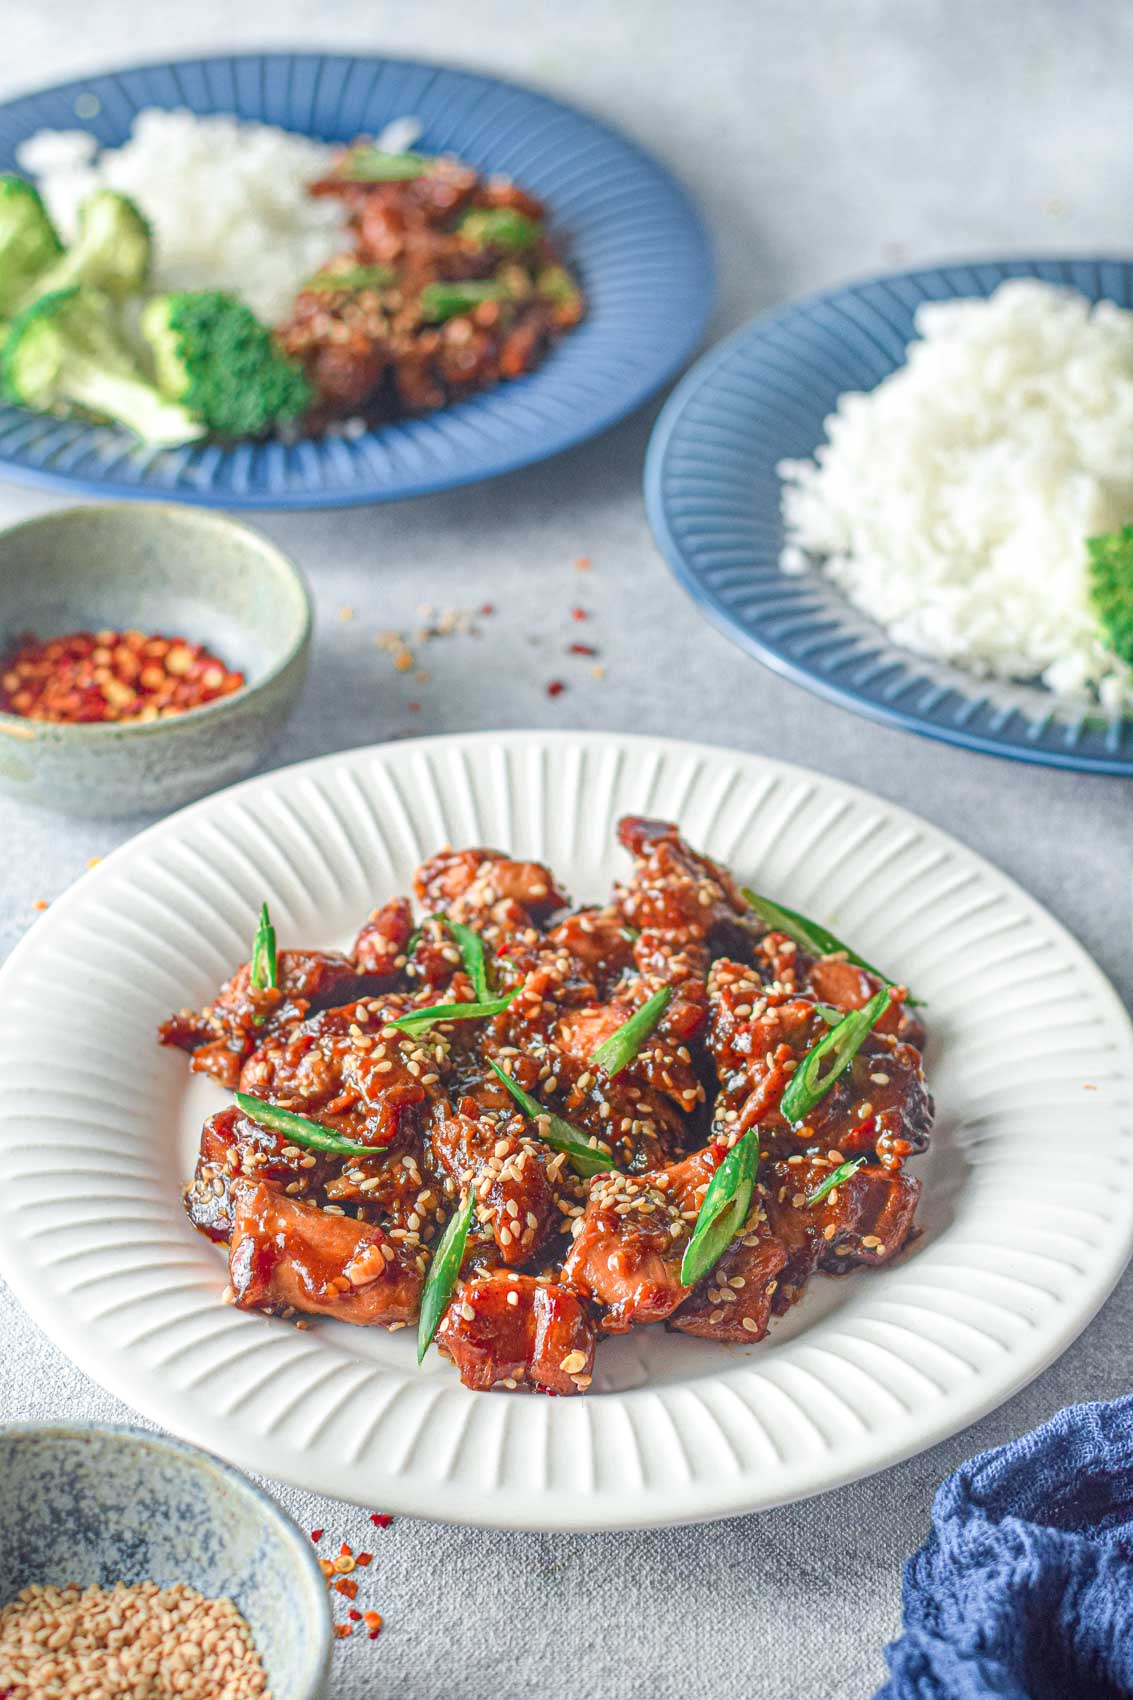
(40,904)
(555,688)
(85,677)
(581,649)
(316,1534)
(583,564)
(381,1519)
(579,614)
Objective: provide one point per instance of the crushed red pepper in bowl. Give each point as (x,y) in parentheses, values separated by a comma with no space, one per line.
(83,677)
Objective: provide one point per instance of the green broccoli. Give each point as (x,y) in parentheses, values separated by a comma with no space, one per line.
(64,353)
(1109,577)
(212,354)
(111,252)
(29,243)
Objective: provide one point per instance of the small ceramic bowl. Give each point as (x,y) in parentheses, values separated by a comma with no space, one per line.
(105,1505)
(175,571)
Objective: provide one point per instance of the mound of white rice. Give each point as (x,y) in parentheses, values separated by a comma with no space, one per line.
(953,501)
(228,201)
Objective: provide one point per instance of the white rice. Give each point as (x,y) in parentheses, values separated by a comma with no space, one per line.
(953,501)
(228,200)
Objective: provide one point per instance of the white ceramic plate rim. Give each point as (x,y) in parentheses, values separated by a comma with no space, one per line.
(711,1438)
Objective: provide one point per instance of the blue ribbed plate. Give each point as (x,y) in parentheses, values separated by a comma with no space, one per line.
(629,230)
(712,494)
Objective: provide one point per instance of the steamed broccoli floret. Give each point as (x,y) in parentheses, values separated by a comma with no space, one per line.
(28,241)
(111,252)
(64,353)
(212,354)
(1110,581)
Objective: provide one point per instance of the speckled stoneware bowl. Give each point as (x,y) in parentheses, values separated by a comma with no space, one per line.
(106,1505)
(171,570)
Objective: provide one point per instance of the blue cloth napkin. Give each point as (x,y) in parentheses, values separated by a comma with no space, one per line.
(1024,1588)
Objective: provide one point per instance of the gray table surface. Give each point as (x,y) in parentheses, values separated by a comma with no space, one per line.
(822,141)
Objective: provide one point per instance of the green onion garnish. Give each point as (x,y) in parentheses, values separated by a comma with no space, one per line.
(500,227)
(814,937)
(264,968)
(297,1130)
(263,972)
(440,301)
(824,1062)
(444,1272)
(619,1050)
(417,1019)
(725,1209)
(373,165)
(842,1173)
(473,954)
(556,285)
(352,278)
(556,1132)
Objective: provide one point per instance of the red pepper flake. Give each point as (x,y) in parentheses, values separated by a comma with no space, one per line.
(92,676)
(342,1630)
(363,1558)
(579,614)
(327,1567)
(581,649)
(348,1586)
(487,609)
(354,1616)
(344,1551)
(316,1534)
(555,688)
(582,564)
(373,1622)
(381,1519)
(414,708)
(40,904)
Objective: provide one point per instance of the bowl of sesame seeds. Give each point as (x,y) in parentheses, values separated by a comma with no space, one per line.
(148,655)
(134,1565)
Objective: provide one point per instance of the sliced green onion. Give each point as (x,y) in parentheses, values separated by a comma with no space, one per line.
(440,301)
(297,1130)
(619,1050)
(473,954)
(556,285)
(810,934)
(814,937)
(264,967)
(842,1173)
(500,227)
(556,1132)
(263,972)
(444,1272)
(373,165)
(824,1062)
(417,1019)
(725,1209)
(352,278)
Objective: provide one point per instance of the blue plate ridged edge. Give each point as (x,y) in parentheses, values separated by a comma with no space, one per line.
(634,234)
(712,498)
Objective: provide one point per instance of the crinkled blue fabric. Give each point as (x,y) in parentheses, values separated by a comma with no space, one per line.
(1024,1588)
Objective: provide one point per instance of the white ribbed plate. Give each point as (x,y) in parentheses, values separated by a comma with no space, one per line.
(1031,1061)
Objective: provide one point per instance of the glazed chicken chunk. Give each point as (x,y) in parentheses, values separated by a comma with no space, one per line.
(542,1125)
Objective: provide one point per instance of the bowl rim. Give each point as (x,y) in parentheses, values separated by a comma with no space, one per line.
(21,728)
(321,1643)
